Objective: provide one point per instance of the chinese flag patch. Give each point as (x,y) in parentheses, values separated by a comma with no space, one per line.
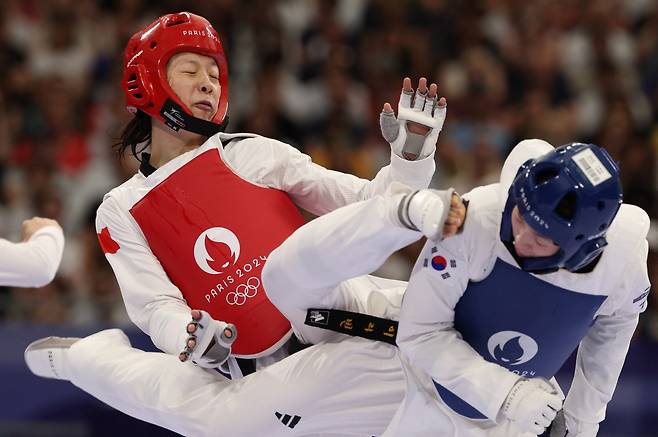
(107,243)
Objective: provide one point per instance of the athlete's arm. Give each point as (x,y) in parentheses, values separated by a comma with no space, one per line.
(312,187)
(429,340)
(602,352)
(412,135)
(152,301)
(34,261)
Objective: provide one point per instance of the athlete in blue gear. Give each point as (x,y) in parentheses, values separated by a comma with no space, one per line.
(549,259)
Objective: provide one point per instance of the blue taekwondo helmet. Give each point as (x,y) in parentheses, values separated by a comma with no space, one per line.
(570,195)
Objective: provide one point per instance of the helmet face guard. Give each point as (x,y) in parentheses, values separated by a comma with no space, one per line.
(570,195)
(145,82)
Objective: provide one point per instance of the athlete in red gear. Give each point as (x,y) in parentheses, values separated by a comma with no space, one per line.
(193,228)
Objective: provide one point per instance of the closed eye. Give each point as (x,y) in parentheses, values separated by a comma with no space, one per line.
(544,242)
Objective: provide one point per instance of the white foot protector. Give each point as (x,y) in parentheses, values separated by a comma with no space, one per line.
(426,211)
(47,357)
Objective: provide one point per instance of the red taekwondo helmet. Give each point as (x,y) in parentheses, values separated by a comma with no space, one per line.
(145,77)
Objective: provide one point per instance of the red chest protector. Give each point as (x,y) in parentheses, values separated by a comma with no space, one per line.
(212,232)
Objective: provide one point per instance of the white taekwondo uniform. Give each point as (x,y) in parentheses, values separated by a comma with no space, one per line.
(341,388)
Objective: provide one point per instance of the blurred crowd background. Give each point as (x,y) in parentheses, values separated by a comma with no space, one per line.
(315,73)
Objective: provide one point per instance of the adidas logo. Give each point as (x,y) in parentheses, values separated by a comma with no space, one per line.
(286,419)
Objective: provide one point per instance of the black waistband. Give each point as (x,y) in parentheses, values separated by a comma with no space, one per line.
(355,324)
(248,365)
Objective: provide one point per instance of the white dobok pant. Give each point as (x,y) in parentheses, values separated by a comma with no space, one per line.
(342,385)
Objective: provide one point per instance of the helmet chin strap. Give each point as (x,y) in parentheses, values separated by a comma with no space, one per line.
(176,118)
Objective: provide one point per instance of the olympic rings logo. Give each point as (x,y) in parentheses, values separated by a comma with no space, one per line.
(243,292)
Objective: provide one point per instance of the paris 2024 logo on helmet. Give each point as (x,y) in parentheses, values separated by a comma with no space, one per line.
(511,348)
(208,252)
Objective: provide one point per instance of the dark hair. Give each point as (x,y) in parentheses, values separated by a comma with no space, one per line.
(137,132)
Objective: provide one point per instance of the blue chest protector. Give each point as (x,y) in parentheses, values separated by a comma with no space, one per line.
(520,322)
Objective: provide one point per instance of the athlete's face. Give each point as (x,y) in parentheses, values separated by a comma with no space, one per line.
(527,242)
(195,80)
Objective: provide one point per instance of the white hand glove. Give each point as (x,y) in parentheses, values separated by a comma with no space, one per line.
(565,425)
(210,340)
(532,404)
(425,111)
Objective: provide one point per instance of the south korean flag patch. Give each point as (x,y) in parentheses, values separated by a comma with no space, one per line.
(440,263)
